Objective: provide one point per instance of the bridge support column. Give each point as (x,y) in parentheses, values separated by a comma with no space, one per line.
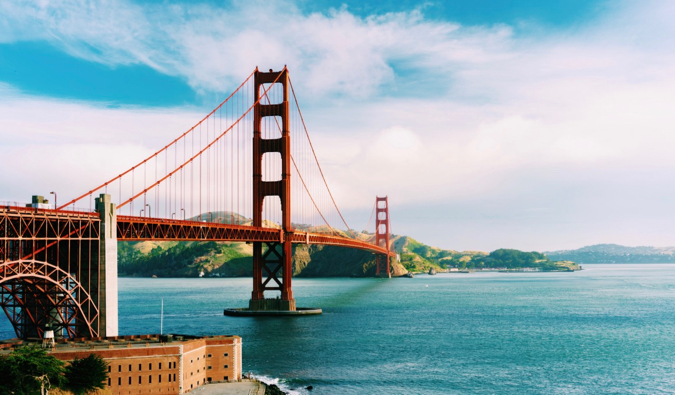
(107,267)
(272,265)
(382,235)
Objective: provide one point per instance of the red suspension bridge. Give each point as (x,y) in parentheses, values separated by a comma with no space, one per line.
(228,178)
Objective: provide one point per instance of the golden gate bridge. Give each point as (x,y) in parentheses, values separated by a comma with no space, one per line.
(228,178)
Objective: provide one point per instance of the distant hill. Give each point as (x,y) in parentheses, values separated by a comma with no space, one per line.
(614,253)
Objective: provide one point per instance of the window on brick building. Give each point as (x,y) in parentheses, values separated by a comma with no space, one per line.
(150,379)
(208,368)
(174,377)
(208,379)
(159,377)
(139,379)
(209,355)
(226,354)
(129,380)
(119,368)
(119,381)
(130,367)
(108,381)
(160,366)
(226,366)
(225,378)
(109,368)
(139,367)
(150,367)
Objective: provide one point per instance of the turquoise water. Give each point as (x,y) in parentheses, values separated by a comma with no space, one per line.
(607,329)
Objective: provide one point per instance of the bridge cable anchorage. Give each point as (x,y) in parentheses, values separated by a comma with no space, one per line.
(160,151)
(349,229)
(302,179)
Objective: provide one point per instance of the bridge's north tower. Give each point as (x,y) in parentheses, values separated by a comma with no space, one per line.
(382,235)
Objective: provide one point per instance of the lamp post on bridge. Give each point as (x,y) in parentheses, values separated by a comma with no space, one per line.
(55,205)
(183,210)
(149,210)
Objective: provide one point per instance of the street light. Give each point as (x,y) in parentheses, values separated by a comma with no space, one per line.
(149,210)
(173,215)
(140,213)
(54,193)
(183,210)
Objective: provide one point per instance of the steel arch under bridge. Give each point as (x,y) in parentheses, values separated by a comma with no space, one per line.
(52,272)
(35,293)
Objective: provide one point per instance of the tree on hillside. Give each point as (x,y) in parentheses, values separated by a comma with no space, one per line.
(514,258)
(29,370)
(86,374)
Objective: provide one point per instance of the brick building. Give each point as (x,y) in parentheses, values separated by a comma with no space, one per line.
(153,364)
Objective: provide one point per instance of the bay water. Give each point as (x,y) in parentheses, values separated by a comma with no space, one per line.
(607,329)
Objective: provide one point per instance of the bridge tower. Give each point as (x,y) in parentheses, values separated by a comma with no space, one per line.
(272,268)
(382,235)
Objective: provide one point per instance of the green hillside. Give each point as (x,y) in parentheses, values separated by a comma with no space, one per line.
(189,259)
(224,259)
(418,257)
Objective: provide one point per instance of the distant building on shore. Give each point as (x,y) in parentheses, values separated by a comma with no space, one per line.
(156,364)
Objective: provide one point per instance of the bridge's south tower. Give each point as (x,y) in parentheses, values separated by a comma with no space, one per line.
(272,265)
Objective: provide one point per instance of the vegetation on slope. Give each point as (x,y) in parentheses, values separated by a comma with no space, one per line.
(190,259)
(515,259)
(418,257)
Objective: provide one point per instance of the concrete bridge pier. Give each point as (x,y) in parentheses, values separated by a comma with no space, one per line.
(107,266)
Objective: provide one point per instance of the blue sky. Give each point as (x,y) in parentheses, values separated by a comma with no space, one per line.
(40,67)
(526,124)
